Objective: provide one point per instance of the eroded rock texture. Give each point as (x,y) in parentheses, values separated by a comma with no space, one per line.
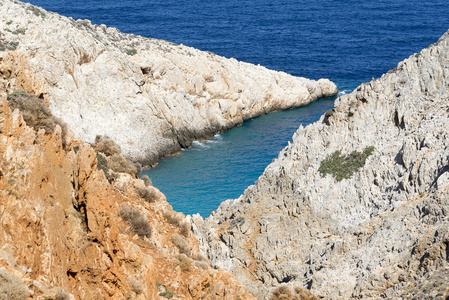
(62,230)
(384,231)
(150,96)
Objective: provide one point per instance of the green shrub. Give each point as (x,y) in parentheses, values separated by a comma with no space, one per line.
(131,52)
(341,166)
(166,294)
(136,219)
(12,287)
(35,113)
(36,11)
(102,163)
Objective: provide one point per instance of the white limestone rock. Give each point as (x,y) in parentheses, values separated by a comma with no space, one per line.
(383,232)
(150,96)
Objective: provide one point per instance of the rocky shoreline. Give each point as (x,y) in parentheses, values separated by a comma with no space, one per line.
(356,206)
(150,96)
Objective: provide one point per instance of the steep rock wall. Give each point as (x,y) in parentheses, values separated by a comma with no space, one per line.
(62,234)
(382,232)
(151,96)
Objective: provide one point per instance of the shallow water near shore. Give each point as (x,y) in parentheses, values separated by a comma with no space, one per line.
(348,42)
(199,179)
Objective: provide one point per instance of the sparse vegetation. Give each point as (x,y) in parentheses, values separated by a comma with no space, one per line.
(177,219)
(167,294)
(131,51)
(36,11)
(118,163)
(180,243)
(148,194)
(106,145)
(282,292)
(12,287)
(147,180)
(327,116)
(185,263)
(341,166)
(5,45)
(135,285)
(202,265)
(35,113)
(115,162)
(62,295)
(136,220)
(102,163)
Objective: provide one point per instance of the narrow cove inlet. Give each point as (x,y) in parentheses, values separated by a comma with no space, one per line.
(213,171)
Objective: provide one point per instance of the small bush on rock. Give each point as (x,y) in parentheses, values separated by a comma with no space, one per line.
(106,145)
(62,295)
(341,166)
(148,194)
(136,219)
(146,180)
(181,244)
(12,287)
(118,163)
(35,113)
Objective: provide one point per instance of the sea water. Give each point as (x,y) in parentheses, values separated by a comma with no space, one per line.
(349,42)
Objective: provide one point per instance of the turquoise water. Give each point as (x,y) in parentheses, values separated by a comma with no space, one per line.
(210,172)
(348,42)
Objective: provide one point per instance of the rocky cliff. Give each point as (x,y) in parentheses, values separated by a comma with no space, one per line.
(357,205)
(66,232)
(150,96)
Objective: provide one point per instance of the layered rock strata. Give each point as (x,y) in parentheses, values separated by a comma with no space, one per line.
(64,232)
(150,96)
(382,231)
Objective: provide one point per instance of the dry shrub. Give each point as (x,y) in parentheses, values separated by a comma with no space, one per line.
(147,180)
(118,163)
(106,145)
(177,219)
(303,294)
(62,295)
(282,292)
(35,113)
(135,285)
(148,194)
(202,265)
(12,287)
(136,219)
(180,243)
(185,263)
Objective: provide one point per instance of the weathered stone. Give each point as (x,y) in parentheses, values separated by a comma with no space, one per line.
(380,233)
(150,96)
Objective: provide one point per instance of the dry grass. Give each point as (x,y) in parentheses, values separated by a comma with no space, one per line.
(118,163)
(181,243)
(35,113)
(12,287)
(62,295)
(148,194)
(135,285)
(202,265)
(136,219)
(147,180)
(177,219)
(284,292)
(106,145)
(185,263)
